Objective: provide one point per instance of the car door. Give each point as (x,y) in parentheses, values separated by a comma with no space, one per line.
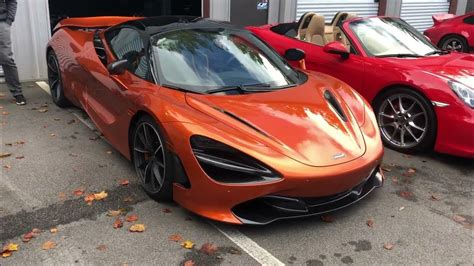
(111,98)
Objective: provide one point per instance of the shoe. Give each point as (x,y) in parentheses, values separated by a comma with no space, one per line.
(20,100)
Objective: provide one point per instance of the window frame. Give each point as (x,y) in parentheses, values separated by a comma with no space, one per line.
(466,20)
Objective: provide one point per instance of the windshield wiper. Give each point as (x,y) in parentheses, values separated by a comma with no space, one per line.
(260,87)
(398,55)
(437,52)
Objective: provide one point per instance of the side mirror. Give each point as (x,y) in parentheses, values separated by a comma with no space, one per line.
(336,48)
(118,67)
(295,54)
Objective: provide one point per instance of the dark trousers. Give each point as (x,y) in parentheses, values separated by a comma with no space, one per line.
(6,60)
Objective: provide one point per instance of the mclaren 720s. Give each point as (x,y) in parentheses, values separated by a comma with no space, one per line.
(215,119)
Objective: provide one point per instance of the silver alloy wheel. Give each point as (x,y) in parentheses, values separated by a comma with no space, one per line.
(453,44)
(403,120)
(149,157)
(54,77)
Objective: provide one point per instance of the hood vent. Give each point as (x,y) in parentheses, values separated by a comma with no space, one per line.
(335,104)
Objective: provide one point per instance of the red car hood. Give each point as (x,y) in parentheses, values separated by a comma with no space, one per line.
(298,122)
(455,66)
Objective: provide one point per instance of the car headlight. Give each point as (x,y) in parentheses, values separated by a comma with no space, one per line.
(465,93)
(228,165)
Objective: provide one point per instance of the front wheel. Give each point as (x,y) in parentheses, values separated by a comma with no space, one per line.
(55,81)
(406,119)
(152,160)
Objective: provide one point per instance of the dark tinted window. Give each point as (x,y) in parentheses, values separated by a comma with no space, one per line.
(469,20)
(127,43)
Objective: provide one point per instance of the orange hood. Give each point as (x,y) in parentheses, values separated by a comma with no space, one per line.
(298,122)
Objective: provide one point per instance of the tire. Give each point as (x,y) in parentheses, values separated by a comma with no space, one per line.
(454,43)
(411,130)
(152,160)
(55,81)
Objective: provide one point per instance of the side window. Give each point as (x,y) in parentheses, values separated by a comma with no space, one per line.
(127,43)
(469,20)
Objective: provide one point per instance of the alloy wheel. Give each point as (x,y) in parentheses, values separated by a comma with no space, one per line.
(149,157)
(54,77)
(453,44)
(403,120)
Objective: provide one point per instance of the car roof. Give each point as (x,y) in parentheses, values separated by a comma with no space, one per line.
(156,25)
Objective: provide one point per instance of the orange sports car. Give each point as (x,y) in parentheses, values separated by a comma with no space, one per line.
(215,119)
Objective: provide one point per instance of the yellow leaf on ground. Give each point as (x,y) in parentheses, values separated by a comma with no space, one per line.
(53,230)
(100,196)
(5,155)
(137,228)
(188,244)
(6,254)
(10,247)
(48,245)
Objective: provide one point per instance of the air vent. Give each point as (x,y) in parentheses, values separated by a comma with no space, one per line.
(100,48)
(335,104)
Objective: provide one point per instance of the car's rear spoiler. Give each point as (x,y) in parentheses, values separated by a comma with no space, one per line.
(92,22)
(438,18)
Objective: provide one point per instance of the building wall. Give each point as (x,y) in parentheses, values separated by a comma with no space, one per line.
(30,34)
(470,6)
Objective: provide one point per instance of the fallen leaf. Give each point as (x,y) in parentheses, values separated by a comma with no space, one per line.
(62,196)
(189,263)
(131,218)
(6,254)
(78,191)
(188,244)
(234,251)
(118,223)
(209,248)
(5,155)
(124,182)
(435,197)
(406,194)
(43,110)
(109,152)
(36,232)
(7,166)
(71,122)
(411,170)
(9,249)
(401,208)
(100,196)
(370,223)
(102,248)
(137,228)
(388,246)
(20,157)
(53,135)
(166,210)
(27,237)
(48,245)
(459,219)
(112,213)
(73,155)
(89,199)
(95,138)
(386,169)
(327,218)
(53,230)
(57,119)
(175,238)
(5,113)
(395,180)
(128,199)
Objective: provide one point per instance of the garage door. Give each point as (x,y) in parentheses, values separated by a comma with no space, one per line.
(418,13)
(329,8)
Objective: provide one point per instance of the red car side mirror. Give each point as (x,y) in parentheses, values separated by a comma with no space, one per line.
(336,48)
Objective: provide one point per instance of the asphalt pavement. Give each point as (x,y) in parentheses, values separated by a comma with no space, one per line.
(422,215)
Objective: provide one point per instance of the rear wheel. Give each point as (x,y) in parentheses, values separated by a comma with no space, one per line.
(406,119)
(152,160)
(454,43)
(55,81)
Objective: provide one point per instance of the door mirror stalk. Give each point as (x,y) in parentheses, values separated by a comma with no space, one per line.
(118,67)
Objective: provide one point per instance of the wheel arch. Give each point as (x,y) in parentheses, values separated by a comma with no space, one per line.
(444,37)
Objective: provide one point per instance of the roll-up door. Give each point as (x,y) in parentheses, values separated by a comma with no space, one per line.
(418,13)
(329,8)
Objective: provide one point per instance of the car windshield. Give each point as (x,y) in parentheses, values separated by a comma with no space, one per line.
(385,37)
(210,60)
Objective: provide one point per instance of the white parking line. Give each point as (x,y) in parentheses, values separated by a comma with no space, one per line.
(254,250)
(260,254)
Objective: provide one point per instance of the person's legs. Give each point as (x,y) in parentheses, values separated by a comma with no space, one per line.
(6,61)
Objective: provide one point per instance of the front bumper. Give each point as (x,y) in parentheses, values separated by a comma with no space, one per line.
(270,208)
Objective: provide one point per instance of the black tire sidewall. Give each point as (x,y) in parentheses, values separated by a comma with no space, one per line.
(61,101)
(166,192)
(430,137)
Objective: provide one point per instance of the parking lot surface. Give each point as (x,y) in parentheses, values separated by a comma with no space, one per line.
(423,214)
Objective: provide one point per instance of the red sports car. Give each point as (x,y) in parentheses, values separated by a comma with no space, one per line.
(453,33)
(215,119)
(423,97)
